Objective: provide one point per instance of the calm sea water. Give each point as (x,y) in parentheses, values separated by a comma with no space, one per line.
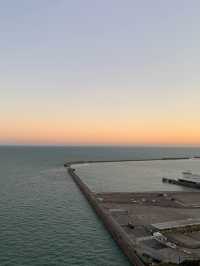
(44,219)
(136,176)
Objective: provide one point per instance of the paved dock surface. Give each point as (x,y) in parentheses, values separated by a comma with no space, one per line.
(154,228)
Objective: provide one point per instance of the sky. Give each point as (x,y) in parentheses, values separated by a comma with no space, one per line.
(106,72)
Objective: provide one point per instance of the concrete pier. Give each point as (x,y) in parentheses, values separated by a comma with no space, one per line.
(180,182)
(123,240)
(69,163)
(152,228)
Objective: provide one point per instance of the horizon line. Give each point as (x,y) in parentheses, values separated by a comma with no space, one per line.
(98,145)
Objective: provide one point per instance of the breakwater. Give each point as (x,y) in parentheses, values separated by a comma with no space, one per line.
(68,164)
(119,235)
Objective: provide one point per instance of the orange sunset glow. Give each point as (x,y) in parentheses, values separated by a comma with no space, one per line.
(124,75)
(114,133)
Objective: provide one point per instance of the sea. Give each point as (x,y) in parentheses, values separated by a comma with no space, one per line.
(44,218)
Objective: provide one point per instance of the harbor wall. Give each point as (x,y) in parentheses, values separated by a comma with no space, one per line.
(70,163)
(119,235)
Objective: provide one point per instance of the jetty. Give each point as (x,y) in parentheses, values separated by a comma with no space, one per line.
(188,179)
(70,163)
(119,235)
(151,228)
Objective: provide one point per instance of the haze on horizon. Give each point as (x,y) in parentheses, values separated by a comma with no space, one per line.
(100,72)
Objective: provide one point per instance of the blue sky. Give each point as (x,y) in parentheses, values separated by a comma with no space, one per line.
(116,62)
